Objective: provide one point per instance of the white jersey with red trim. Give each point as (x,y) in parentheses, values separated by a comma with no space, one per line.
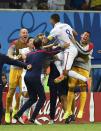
(62,32)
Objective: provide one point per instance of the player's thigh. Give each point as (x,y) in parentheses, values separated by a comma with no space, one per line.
(72,83)
(69,59)
(85,73)
(13,78)
(31,88)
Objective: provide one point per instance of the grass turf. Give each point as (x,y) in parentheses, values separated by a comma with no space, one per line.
(71,127)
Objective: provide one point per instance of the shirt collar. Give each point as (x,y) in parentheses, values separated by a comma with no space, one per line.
(57,24)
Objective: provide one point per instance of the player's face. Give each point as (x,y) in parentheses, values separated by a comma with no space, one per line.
(52,22)
(85,37)
(24,34)
(4,80)
(30,43)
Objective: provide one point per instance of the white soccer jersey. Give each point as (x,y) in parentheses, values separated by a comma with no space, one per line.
(24,51)
(62,32)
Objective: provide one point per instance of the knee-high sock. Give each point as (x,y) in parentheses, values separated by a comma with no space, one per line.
(70,99)
(83,97)
(26,113)
(77,75)
(9,100)
(17,99)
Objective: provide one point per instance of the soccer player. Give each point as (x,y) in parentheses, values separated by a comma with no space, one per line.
(33,80)
(15,73)
(62,32)
(82,66)
(6,60)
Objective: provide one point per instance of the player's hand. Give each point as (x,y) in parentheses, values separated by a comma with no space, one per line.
(19,57)
(29,67)
(66,45)
(72,39)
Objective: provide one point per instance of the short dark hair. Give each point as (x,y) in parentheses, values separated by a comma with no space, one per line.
(41,34)
(55,17)
(37,42)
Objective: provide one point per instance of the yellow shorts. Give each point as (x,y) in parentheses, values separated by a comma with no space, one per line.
(73,82)
(15,78)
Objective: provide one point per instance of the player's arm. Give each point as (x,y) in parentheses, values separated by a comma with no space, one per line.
(10,61)
(74,33)
(11,51)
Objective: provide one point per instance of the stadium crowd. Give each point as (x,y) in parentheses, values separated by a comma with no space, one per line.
(52,4)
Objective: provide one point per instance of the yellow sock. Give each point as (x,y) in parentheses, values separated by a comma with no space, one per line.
(70,98)
(17,102)
(9,100)
(83,97)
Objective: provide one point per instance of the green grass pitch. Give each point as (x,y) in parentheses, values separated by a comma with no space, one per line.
(71,127)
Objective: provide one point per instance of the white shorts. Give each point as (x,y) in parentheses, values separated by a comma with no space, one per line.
(24,88)
(69,56)
(59,64)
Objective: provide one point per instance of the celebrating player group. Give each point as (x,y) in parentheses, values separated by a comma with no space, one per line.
(69,61)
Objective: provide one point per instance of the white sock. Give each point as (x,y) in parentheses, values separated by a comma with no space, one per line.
(24,101)
(77,75)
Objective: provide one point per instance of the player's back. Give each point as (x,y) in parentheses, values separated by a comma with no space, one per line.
(37,60)
(64,31)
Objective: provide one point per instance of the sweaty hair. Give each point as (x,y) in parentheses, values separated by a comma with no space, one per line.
(37,42)
(55,17)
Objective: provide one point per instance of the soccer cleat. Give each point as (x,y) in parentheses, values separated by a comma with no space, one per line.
(14,121)
(59,79)
(25,118)
(70,119)
(7,118)
(35,122)
(66,115)
(80,115)
(18,119)
(51,122)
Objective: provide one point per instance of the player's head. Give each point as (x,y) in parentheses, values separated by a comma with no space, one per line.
(55,18)
(42,37)
(30,42)
(24,34)
(85,37)
(37,43)
(4,78)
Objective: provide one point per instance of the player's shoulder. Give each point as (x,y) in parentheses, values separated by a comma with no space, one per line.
(13,43)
